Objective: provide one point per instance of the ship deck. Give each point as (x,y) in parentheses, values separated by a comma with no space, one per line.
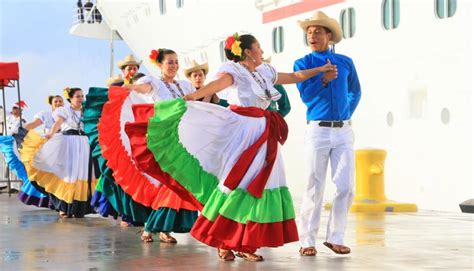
(36,239)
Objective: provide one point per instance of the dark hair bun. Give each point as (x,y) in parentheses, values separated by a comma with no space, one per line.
(246,42)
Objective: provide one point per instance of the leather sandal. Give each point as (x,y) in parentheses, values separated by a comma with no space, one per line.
(146,237)
(251,257)
(167,238)
(308,251)
(226,255)
(63,214)
(341,250)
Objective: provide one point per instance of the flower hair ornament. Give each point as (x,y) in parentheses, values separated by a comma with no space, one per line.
(66,93)
(232,43)
(154,54)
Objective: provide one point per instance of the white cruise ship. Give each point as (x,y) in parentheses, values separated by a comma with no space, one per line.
(413,57)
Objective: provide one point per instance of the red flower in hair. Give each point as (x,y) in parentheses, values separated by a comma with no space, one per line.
(154,56)
(229,41)
(232,43)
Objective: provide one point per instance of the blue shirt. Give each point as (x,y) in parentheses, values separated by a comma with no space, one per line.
(339,99)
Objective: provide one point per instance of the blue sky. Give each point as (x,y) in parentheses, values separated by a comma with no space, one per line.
(35,33)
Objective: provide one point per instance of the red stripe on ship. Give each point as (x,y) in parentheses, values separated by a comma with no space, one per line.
(296,9)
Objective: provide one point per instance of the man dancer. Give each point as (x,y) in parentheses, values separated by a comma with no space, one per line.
(331,99)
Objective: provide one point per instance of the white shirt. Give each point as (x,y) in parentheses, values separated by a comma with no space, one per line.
(72,118)
(247,91)
(46,117)
(160,92)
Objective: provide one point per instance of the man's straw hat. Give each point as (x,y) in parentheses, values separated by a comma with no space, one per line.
(319,18)
(128,60)
(196,67)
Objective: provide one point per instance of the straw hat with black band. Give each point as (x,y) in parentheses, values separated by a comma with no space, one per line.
(127,61)
(196,67)
(319,18)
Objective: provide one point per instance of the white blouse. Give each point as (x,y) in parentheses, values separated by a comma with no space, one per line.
(72,118)
(46,117)
(247,90)
(161,92)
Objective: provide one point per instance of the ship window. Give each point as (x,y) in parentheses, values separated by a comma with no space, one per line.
(162,7)
(179,3)
(390,14)
(445,8)
(278,39)
(222,51)
(347,21)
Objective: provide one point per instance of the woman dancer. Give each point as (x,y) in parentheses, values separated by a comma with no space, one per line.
(229,160)
(170,212)
(61,165)
(28,194)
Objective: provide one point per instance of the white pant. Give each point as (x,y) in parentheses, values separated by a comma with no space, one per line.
(324,144)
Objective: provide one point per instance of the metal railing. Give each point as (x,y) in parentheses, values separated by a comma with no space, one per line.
(89,15)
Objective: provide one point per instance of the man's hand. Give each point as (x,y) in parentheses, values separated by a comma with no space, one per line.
(328,67)
(330,75)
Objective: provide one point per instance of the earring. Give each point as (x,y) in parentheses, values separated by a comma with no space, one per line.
(251,58)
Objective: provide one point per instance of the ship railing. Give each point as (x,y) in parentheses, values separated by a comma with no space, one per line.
(89,15)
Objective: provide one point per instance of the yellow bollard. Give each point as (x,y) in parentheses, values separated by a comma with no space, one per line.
(370,185)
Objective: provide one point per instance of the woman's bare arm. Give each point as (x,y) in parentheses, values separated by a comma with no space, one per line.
(295,77)
(141,88)
(32,125)
(224,81)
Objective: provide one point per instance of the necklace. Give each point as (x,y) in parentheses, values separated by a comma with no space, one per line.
(172,91)
(76,119)
(263,85)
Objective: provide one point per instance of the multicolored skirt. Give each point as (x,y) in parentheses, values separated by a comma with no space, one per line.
(28,194)
(109,198)
(201,146)
(61,167)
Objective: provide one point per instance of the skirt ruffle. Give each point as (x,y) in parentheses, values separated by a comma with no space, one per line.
(28,194)
(169,220)
(110,199)
(128,174)
(60,166)
(143,186)
(101,204)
